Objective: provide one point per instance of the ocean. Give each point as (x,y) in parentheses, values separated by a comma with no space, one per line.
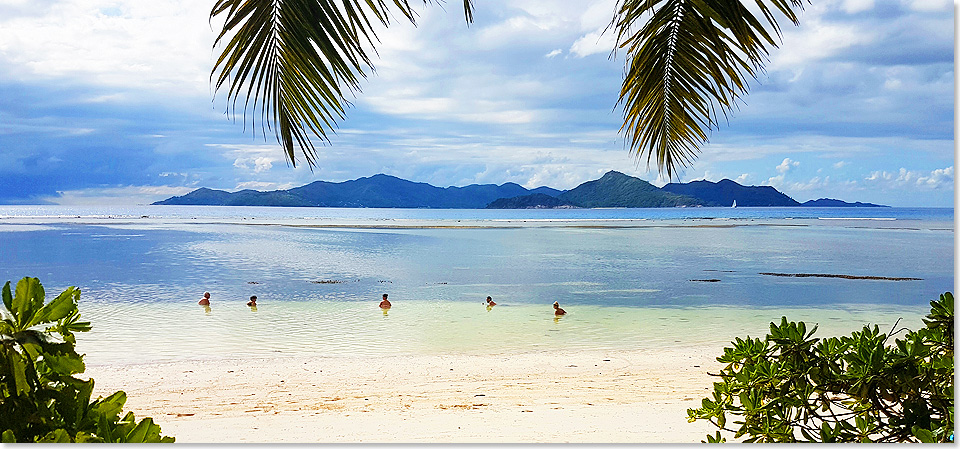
(628,278)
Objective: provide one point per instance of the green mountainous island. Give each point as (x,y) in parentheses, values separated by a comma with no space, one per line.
(613,189)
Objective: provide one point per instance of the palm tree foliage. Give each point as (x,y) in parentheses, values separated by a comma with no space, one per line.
(295,62)
(688,62)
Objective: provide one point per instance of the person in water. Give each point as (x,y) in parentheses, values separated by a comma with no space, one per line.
(253,301)
(557,310)
(205,301)
(490,302)
(385,304)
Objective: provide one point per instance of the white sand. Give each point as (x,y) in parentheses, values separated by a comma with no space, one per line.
(583,397)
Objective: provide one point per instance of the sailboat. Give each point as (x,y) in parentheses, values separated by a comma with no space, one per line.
(734,203)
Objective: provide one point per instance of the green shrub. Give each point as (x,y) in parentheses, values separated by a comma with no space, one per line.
(41,400)
(792,387)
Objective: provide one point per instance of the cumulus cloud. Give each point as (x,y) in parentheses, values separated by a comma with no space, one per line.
(936,179)
(258,165)
(786,165)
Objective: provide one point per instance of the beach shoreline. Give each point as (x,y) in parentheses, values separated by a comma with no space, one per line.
(583,396)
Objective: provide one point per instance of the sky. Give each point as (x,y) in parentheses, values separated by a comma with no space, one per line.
(109,102)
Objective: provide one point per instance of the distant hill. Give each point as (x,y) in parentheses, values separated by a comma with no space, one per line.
(532,201)
(616,189)
(613,189)
(375,191)
(830,202)
(724,192)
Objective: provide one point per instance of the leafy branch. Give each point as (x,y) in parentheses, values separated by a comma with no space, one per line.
(793,387)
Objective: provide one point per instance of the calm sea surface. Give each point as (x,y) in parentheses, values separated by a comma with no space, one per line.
(629,278)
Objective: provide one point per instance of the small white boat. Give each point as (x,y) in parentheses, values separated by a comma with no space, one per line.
(734,203)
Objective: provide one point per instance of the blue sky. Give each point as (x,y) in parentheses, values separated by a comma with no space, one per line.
(109,102)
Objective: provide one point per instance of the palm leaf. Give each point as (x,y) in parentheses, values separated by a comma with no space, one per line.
(294,62)
(688,63)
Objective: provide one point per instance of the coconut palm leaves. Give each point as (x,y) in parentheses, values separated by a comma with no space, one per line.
(687,64)
(295,61)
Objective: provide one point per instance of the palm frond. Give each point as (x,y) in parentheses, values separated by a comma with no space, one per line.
(687,65)
(294,62)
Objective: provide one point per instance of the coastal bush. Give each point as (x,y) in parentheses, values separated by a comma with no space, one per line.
(792,387)
(42,401)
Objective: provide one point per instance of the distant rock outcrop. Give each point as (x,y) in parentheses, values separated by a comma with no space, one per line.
(724,192)
(830,202)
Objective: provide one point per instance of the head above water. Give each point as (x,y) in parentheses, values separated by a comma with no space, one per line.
(253,298)
(384,296)
(556,304)
(206,295)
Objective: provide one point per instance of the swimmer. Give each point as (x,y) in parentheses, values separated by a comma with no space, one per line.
(253,301)
(557,310)
(490,302)
(385,304)
(205,301)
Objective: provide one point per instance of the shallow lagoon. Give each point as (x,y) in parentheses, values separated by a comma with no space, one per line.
(628,280)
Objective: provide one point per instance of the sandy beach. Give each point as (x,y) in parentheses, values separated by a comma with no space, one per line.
(579,397)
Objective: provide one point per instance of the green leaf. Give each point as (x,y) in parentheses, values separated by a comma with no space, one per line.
(65,365)
(56,436)
(8,436)
(17,368)
(62,306)
(142,432)
(7,297)
(27,301)
(110,406)
(924,435)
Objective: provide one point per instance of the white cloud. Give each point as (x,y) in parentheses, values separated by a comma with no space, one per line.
(262,164)
(259,164)
(742,179)
(594,42)
(855,6)
(816,40)
(553,53)
(928,5)
(936,179)
(157,45)
(840,164)
(126,195)
(786,165)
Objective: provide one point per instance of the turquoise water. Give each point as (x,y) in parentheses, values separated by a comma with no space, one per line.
(629,278)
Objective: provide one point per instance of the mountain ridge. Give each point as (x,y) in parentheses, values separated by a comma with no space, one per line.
(613,189)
